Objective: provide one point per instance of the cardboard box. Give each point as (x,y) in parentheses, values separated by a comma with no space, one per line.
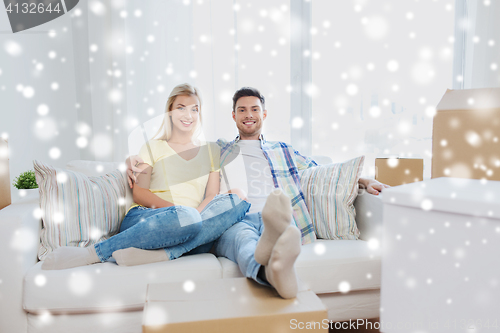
(440,243)
(228,305)
(396,171)
(466,134)
(4,174)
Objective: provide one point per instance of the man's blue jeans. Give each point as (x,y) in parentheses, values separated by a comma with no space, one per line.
(238,244)
(177,229)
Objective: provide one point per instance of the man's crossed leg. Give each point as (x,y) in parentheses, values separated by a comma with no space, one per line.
(265,245)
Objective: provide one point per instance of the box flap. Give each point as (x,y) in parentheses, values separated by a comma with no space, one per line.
(454,195)
(470,99)
(241,306)
(227,299)
(209,290)
(206,290)
(383,157)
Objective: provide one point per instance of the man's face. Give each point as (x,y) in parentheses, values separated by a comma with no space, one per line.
(249,117)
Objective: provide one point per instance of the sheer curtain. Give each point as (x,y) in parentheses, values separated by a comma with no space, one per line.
(130,54)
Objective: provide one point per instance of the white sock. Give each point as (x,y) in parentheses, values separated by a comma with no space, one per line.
(69,257)
(276,215)
(133,256)
(280,272)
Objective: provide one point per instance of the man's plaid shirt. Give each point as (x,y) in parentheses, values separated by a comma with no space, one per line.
(285,164)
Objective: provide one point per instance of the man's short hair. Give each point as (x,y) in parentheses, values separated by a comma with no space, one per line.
(248,91)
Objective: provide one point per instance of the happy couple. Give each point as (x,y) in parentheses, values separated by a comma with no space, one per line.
(179,206)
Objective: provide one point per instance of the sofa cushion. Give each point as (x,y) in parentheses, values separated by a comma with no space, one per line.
(330,191)
(96,169)
(328,266)
(108,287)
(229,269)
(325,264)
(78,210)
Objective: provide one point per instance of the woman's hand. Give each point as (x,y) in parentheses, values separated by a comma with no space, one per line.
(372,186)
(211,190)
(134,164)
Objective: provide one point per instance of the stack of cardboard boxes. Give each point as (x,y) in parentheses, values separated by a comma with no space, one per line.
(4,174)
(465,141)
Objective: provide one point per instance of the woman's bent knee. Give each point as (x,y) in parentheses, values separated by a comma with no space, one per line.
(193,229)
(188,216)
(240,193)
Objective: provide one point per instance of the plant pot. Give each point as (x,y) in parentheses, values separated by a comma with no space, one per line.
(27,193)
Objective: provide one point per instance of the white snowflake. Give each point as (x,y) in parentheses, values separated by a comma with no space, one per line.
(188,286)
(55,153)
(13,48)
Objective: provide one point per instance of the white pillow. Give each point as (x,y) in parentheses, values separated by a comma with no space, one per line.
(78,210)
(330,191)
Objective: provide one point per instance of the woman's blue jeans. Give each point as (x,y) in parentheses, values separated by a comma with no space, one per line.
(177,229)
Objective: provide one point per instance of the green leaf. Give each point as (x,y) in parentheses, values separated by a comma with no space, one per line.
(25,180)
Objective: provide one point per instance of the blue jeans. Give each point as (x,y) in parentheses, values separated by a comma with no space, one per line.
(177,229)
(238,244)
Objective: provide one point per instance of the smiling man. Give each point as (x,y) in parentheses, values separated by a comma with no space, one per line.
(266,243)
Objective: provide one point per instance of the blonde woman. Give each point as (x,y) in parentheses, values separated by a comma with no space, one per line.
(176,207)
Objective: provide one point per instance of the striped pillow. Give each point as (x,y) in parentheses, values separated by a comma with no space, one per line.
(78,210)
(330,191)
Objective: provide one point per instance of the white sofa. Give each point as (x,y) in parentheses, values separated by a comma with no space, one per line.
(108,298)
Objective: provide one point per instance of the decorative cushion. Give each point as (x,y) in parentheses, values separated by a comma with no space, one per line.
(97,168)
(78,210)
(330,191)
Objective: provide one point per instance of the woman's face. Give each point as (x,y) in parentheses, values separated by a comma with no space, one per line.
(185,113)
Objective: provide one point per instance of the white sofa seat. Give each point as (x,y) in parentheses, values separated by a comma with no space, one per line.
(107,287)
(324,264)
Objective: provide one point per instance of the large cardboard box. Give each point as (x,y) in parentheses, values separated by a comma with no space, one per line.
(466,134)
(440,269)
(4,174)
(229,305)
(396,171)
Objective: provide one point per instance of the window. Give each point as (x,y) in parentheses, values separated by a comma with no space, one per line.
(378,70)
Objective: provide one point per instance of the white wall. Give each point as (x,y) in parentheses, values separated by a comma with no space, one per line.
(26,66)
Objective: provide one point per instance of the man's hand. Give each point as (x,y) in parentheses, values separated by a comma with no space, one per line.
(133,165)
(372,186)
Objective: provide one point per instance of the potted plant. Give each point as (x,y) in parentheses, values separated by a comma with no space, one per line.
(26,183)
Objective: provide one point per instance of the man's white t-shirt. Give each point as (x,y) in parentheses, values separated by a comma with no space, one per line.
(249,171)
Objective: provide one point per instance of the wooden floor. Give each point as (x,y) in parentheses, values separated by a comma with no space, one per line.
(362,329)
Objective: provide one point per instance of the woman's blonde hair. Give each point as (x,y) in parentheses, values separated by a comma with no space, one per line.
(165,131)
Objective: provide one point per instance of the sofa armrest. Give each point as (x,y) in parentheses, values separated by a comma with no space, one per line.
(19,241)
(369,211)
